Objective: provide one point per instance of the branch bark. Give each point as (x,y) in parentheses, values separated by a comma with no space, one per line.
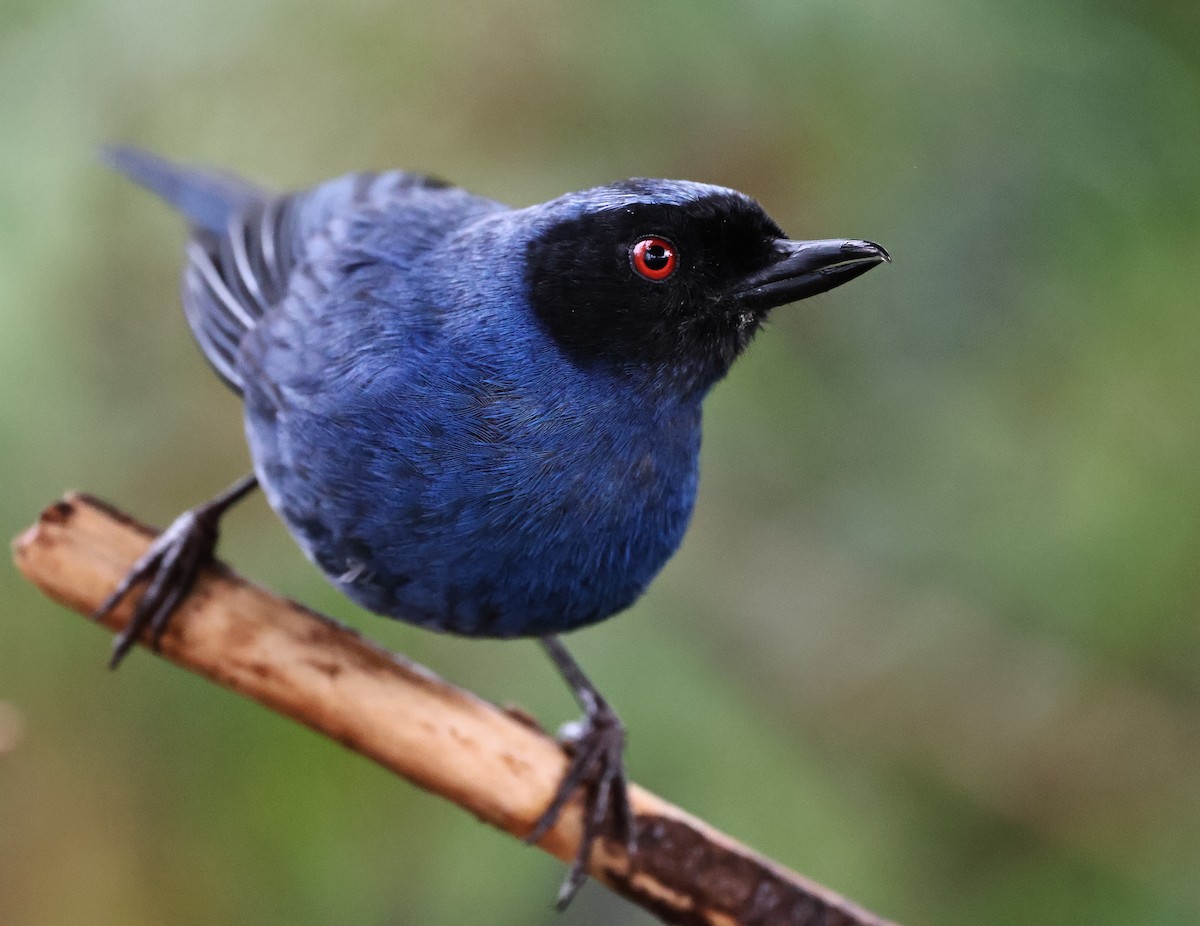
(440,737)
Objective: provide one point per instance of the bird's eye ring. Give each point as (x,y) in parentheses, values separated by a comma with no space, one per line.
(654,258)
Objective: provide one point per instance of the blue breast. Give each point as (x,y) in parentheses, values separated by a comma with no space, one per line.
(443,463)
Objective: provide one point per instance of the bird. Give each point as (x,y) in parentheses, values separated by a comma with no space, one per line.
(479,419)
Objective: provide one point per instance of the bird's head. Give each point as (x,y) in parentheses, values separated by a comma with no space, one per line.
(671,277)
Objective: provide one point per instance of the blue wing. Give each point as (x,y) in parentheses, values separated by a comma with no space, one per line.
(249,248)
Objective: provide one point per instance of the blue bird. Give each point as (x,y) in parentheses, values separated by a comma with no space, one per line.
(478,419)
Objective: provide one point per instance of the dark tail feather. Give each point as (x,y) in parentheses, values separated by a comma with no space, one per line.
(236,261)
(206,197)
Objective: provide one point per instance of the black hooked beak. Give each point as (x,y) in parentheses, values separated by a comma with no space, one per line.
(806,268)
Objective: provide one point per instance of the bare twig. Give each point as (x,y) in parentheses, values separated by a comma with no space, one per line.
(439,737)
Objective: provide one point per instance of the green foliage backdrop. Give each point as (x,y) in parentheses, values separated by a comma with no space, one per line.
(934,636)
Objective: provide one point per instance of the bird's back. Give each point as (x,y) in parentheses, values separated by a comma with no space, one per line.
(251,249)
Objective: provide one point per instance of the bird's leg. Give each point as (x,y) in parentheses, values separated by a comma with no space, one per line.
(170,568)
(596,747)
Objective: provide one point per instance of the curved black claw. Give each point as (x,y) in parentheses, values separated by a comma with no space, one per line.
(597,747)
(170,568)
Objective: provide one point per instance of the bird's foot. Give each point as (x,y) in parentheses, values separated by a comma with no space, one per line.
(596,744)
(170,568)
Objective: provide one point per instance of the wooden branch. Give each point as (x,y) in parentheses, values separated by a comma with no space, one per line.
(439,737)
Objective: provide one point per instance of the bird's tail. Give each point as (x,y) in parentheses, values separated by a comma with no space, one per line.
(207,198)
(239,257)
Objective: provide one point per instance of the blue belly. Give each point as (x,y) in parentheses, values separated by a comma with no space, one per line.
(461,504)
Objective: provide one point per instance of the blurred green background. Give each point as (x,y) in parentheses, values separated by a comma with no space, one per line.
(933,637)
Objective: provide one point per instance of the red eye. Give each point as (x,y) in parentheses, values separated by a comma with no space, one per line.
(654,258)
